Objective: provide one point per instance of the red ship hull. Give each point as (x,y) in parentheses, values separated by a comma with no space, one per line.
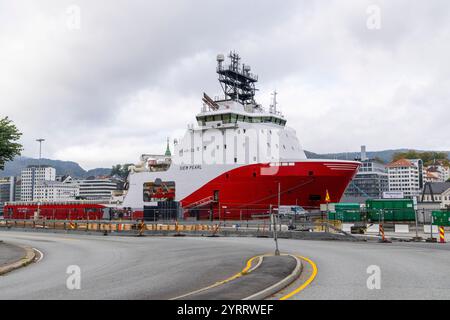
(250,190)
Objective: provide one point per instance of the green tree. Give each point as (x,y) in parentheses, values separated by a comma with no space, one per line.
(428,157)
(116,170)
(121,170)
(9,147)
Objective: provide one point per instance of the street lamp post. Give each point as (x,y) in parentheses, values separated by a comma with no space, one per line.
(273,222)
(40,140)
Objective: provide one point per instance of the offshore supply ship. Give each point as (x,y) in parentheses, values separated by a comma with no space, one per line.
(238,160)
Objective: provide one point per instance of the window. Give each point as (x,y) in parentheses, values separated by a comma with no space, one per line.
(315,197)
(226,118)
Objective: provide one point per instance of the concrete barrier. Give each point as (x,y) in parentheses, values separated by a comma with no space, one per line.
(373,228)
(426,229)
(401,228)
(346,227)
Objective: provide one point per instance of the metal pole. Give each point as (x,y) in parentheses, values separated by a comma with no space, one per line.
(417,225)
(379,221)
(40,140)
(431,226)
(274,229)
(279,196)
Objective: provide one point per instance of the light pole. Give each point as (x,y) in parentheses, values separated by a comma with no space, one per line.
(273,222)
(40,140)
(279,196)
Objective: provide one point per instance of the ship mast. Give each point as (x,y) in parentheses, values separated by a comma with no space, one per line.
(273,106)
(237,82)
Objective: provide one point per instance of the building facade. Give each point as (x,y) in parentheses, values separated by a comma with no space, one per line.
(437,173)
(97,188)
(7,191)
(437,193)
(29,178)
(56,191)
(406,175)
(370,181)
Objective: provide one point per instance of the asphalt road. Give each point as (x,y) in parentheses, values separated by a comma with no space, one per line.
(162,268)
(10,253)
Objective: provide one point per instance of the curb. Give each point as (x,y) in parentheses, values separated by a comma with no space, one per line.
(279,285)
(30,254)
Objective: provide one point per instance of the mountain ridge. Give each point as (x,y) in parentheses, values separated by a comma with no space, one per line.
(13,168)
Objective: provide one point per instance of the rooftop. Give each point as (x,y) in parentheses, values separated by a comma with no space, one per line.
(437,187)
(400,163)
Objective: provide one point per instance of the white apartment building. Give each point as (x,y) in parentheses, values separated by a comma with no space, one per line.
(30,176)
(438,173)
(97,189)
(55,191)
(406,175)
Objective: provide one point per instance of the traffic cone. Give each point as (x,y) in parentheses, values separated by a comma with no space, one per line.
(383,238)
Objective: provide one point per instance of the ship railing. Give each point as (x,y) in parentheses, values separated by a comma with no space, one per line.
(200,202)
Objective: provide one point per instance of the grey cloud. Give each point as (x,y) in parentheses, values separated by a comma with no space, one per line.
(134,62)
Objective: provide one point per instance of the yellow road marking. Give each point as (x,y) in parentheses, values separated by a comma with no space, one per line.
(237,275)
(306,283)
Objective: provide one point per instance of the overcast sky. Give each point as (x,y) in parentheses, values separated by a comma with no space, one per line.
(113,82)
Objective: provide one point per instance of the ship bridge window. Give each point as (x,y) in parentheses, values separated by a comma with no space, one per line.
(217,117)
(226,118)
(201,121)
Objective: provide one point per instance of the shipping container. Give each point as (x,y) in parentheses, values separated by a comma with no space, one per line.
(345,212)
(441,218)
(390,209)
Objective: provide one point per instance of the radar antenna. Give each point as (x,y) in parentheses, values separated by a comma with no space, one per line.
(237,82)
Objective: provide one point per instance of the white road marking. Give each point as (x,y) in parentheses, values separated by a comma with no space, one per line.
(41,254)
